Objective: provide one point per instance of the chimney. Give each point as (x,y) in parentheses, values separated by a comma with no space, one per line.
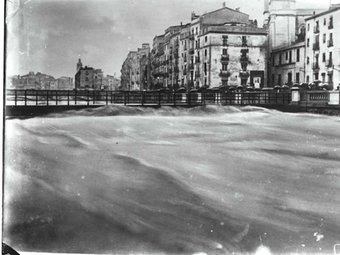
(223,4)
(237,9)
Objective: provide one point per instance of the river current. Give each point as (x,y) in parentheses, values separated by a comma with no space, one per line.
(212,180)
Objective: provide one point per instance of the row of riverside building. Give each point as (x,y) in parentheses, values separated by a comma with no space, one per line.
(225,48)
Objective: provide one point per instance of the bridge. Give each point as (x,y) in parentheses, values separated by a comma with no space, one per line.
(33,102)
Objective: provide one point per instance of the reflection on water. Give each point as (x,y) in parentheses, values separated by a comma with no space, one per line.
(208,179)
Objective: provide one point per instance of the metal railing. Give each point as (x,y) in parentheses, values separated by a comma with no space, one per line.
(45,98)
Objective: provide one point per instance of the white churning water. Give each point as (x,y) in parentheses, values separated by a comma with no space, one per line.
(210,180)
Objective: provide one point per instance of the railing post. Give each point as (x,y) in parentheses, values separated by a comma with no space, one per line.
(25,97)
(111,97)
(106,97)
(93,97)
(88,97)
(188,98)
(36,97)
(124,93)
(68,98)
(56,97)
(174,98)
(75,97)
(142,98)
(159,98)
(47,97)
(15,97)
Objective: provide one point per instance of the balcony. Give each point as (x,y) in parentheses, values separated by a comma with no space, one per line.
(244,44)
(316,46)
(197,60)
(330,43)
(197,74)
(329,63)
(244,74)
(225,58)
(330,26)
(224,73)
(191,37)
(191,67)
(316,30)
(316,67)
(184,71)
(191,51)
(176,69)
(244,59)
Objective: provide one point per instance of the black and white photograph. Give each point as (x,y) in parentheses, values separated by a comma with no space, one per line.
(171,127)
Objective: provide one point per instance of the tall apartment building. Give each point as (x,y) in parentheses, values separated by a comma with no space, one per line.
(231,55)
(323,47)
(157,56)
(135,72)
(190,55)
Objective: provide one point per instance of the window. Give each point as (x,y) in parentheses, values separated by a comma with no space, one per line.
(280,59)
(273,60)
(324,22)
(307,79)
(244,40)
(279,79)
(307,42)
(273,79)
(330,26)
(205,68)
(225,40)
(290,56)
(224,67)
(297,55)
(205,52)
(324,38)
(287,55)
(225,52)
(297,77)
(307,60)
(206,38)
(308,27)
(196,30)
(87,79)
(323,75)
(323,57)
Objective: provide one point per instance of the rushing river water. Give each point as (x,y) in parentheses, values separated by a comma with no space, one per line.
(215,180)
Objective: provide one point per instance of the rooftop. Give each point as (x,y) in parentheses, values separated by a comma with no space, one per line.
(333,8)
(238,29)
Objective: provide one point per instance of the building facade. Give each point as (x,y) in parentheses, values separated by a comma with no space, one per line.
(323,47)
(288,65)
(89,78)
(192,55)
(286,41)
(135,72)
(39,81)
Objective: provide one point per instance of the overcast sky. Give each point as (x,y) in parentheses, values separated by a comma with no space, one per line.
(50,35)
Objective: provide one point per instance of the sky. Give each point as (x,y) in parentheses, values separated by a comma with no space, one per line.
(49,36)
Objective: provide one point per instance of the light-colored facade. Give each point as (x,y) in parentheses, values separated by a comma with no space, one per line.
(288,65)
(135,72)
(193,52)
(232,55)
(286,38)
(323,47)
(39,81)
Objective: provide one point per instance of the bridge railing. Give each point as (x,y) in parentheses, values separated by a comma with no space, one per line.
(93,97)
